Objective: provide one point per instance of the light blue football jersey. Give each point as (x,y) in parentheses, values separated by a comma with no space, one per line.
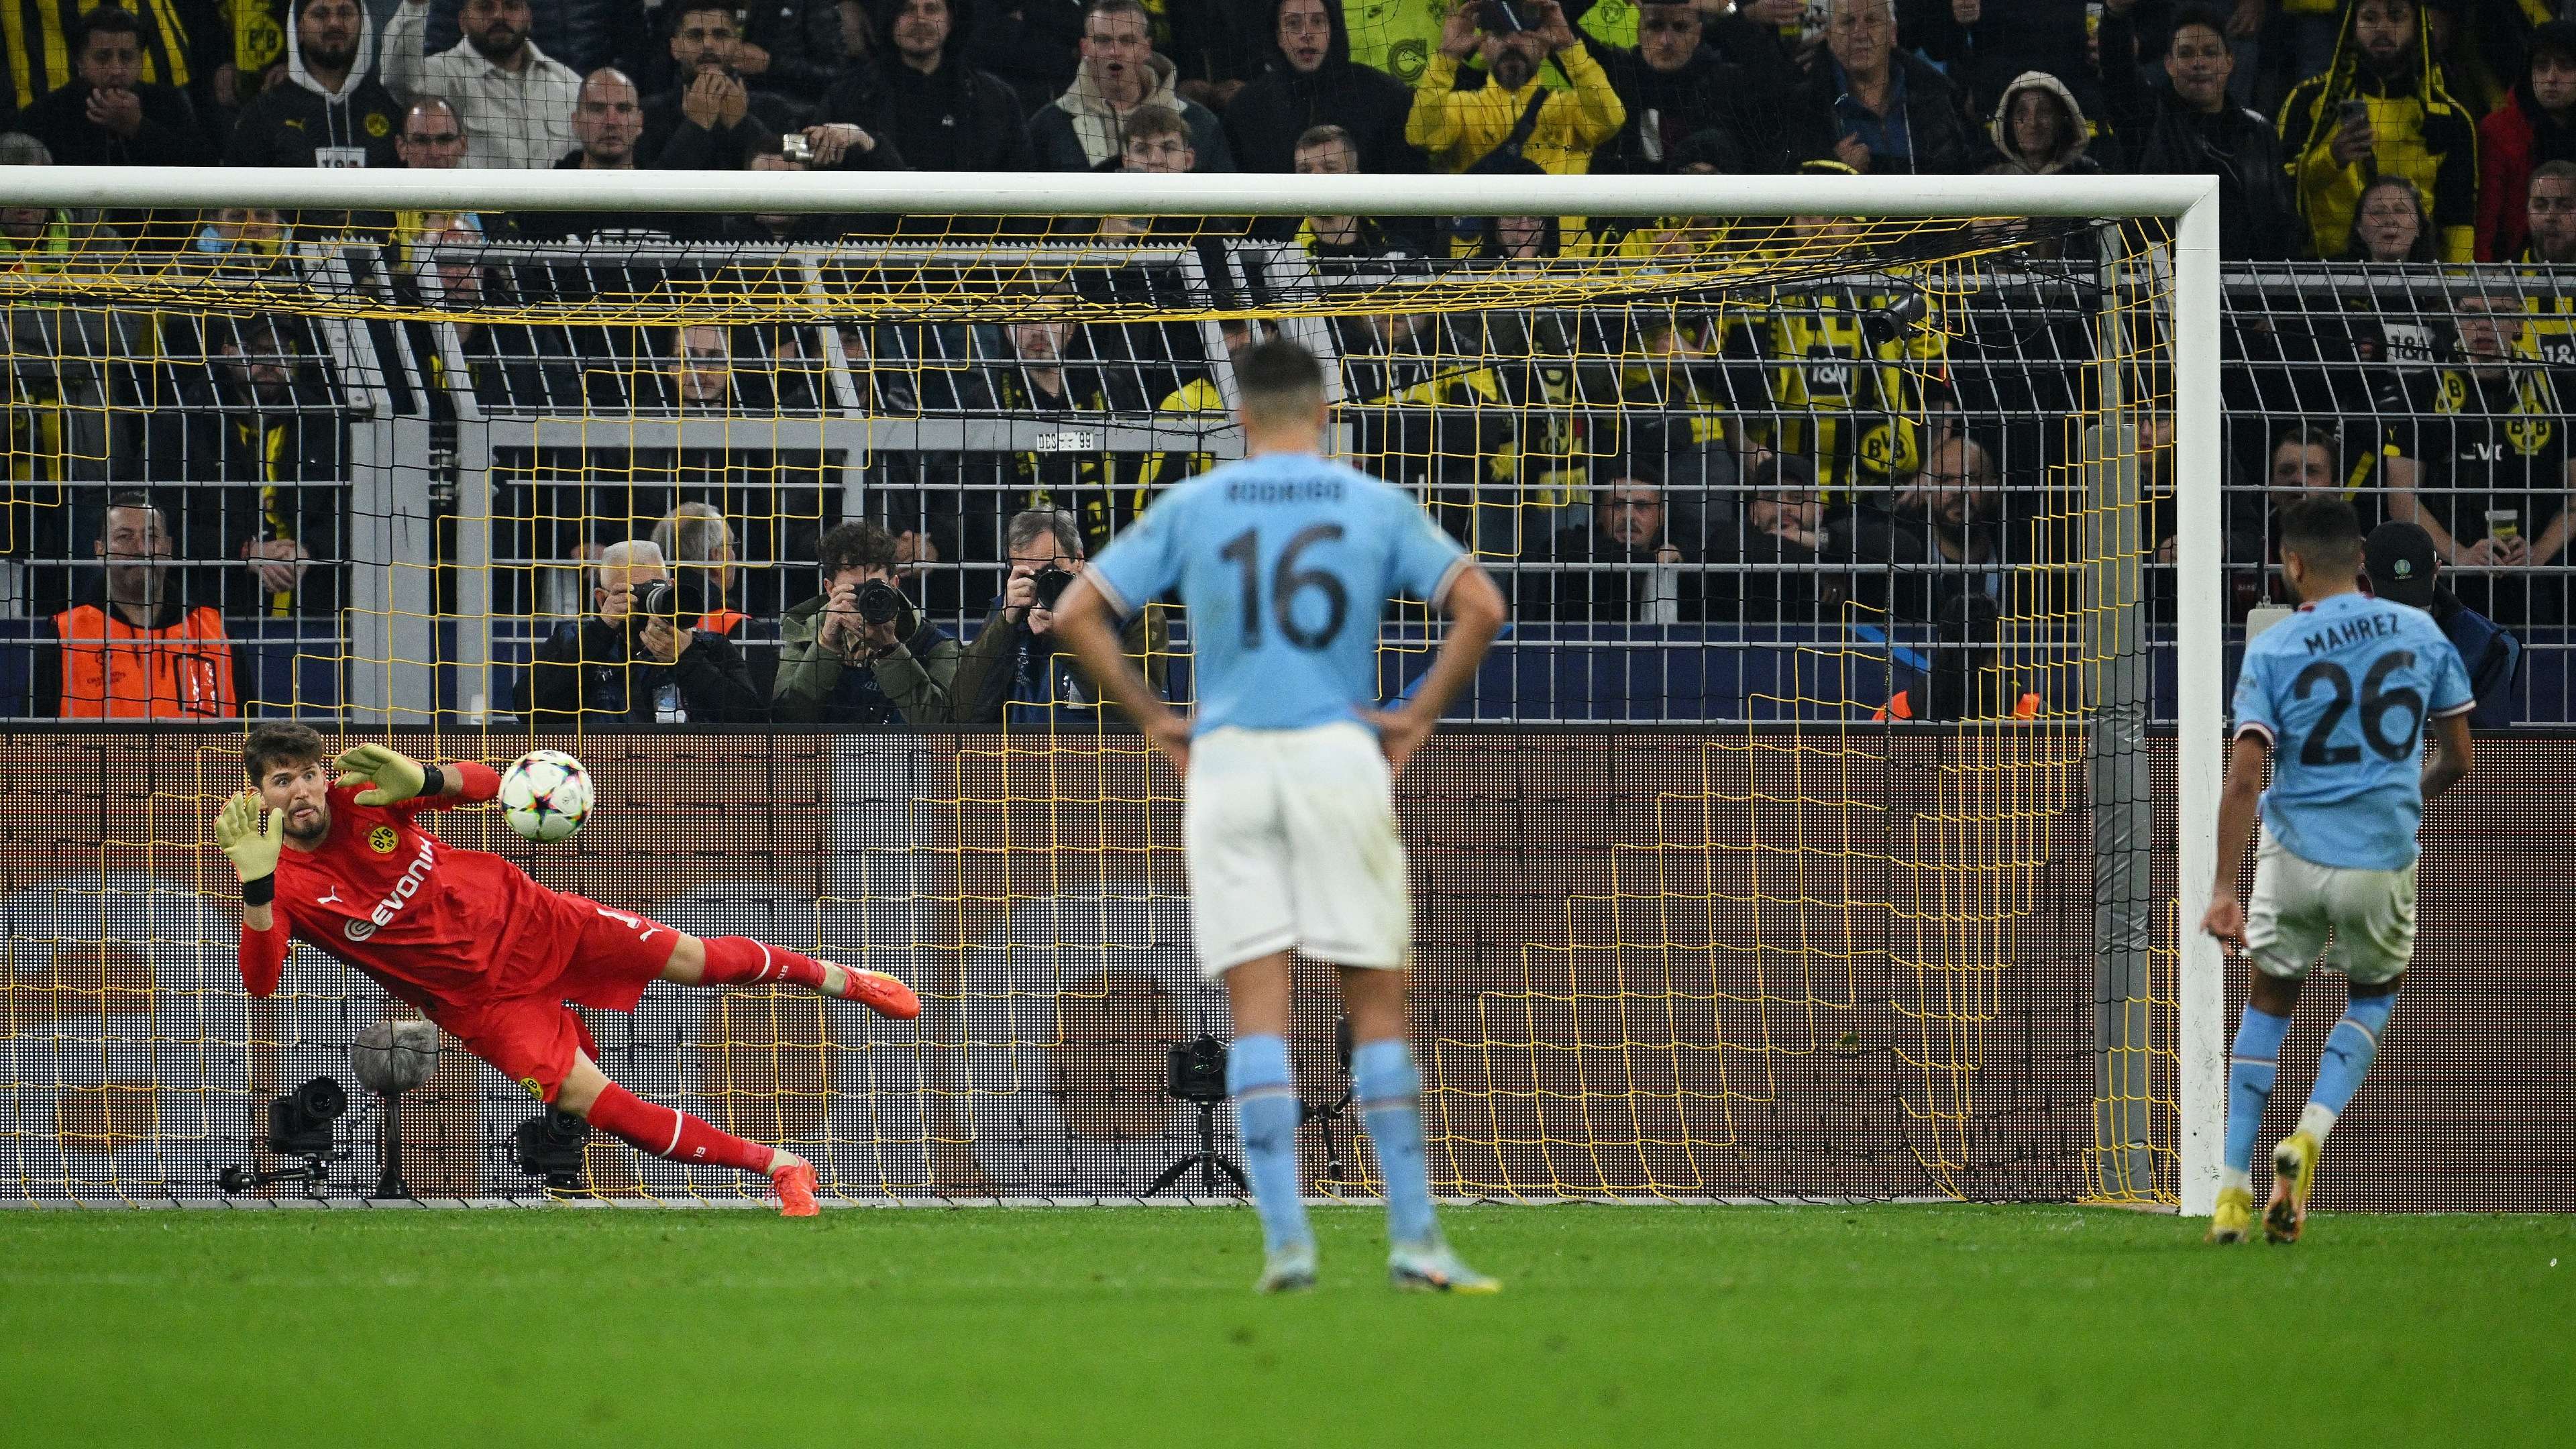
(2342,689)
(1285,563)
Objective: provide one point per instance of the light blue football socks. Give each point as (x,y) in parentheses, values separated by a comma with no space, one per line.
(2350,1049)
(1390,1100)
(2252,1067)
(1264,1087)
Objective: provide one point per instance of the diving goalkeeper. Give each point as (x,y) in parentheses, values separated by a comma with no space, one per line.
(490,955)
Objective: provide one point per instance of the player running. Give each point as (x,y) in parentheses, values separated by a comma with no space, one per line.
(2338,696)
(1285,561)
(490,955)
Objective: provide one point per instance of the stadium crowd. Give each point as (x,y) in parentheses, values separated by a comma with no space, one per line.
(2366,131)
(2305,108)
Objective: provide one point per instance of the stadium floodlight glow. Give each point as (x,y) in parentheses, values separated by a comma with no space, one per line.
(2179,325)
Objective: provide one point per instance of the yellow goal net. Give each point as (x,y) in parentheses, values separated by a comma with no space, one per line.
(1812,833)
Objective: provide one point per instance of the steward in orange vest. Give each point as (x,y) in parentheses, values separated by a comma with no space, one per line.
(105,666)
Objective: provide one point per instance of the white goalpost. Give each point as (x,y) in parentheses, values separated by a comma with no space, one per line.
(2187,205)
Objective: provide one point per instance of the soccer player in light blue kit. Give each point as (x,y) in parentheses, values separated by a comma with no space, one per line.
(2338,696)
(1285,562)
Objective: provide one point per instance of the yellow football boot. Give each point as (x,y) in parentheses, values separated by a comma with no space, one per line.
(2233,1219)
(2294,1174)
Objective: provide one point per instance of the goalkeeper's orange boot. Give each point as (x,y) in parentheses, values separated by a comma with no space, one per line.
(2294,1173)
(877,991)
(796,1185)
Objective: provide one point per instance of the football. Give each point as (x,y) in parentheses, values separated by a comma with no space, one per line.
(545,795)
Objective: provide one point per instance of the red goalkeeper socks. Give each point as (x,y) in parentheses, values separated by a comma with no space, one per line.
(669,1133)
(742,961)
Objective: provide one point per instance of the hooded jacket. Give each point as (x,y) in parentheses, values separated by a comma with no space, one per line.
(2164,136)
(293,124)
(2420,132)
(957,118)
(2069,159)
(2511,143)
(1266,117)
(1078,131)
(1666,109)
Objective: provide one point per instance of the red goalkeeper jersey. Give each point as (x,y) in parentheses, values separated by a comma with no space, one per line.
(433,924)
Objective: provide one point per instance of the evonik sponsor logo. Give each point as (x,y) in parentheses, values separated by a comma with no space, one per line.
(415,876)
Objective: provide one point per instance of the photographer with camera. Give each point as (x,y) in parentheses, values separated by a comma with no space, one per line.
(640,657)
(1514,113)
(1017,664)
(860,653)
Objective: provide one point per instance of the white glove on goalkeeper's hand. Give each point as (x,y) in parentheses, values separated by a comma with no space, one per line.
(395,775)
(250,841)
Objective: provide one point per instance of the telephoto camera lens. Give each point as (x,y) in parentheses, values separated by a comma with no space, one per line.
(1050,584)
(657,600)
(880,602)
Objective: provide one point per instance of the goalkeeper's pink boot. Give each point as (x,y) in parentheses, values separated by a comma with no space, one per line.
(796,1185)
(878,992)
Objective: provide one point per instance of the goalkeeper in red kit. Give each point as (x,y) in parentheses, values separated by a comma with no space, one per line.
(494,958)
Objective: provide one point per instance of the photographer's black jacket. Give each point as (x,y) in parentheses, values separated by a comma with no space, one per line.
(587,669)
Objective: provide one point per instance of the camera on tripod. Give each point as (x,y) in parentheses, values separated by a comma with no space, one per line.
(550,1146)
(1196,1075)
(301,1125)
(1197,1070)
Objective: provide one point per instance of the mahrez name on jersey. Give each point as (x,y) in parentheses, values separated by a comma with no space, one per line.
(2352,631)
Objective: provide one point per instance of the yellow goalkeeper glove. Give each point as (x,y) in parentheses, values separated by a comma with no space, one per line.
(395,775)
(248,839)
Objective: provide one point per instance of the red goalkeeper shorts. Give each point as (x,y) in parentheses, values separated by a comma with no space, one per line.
(531,1037)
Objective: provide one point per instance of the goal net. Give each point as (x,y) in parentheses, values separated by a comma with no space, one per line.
(1812,834)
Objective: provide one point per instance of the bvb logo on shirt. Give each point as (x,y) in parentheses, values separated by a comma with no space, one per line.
(2527,433)
(2455,393)
(379,125)
(382,840)
(534,1090)
(1407,59)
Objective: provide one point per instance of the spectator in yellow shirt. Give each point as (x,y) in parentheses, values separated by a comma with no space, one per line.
(1557,130)
(2381,110)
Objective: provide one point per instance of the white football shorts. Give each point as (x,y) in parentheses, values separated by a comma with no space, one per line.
(1292,844)
(2298,905)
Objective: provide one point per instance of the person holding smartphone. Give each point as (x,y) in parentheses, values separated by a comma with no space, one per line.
(2381,109)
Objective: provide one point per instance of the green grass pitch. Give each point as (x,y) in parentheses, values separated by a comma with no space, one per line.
(1136,1327)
